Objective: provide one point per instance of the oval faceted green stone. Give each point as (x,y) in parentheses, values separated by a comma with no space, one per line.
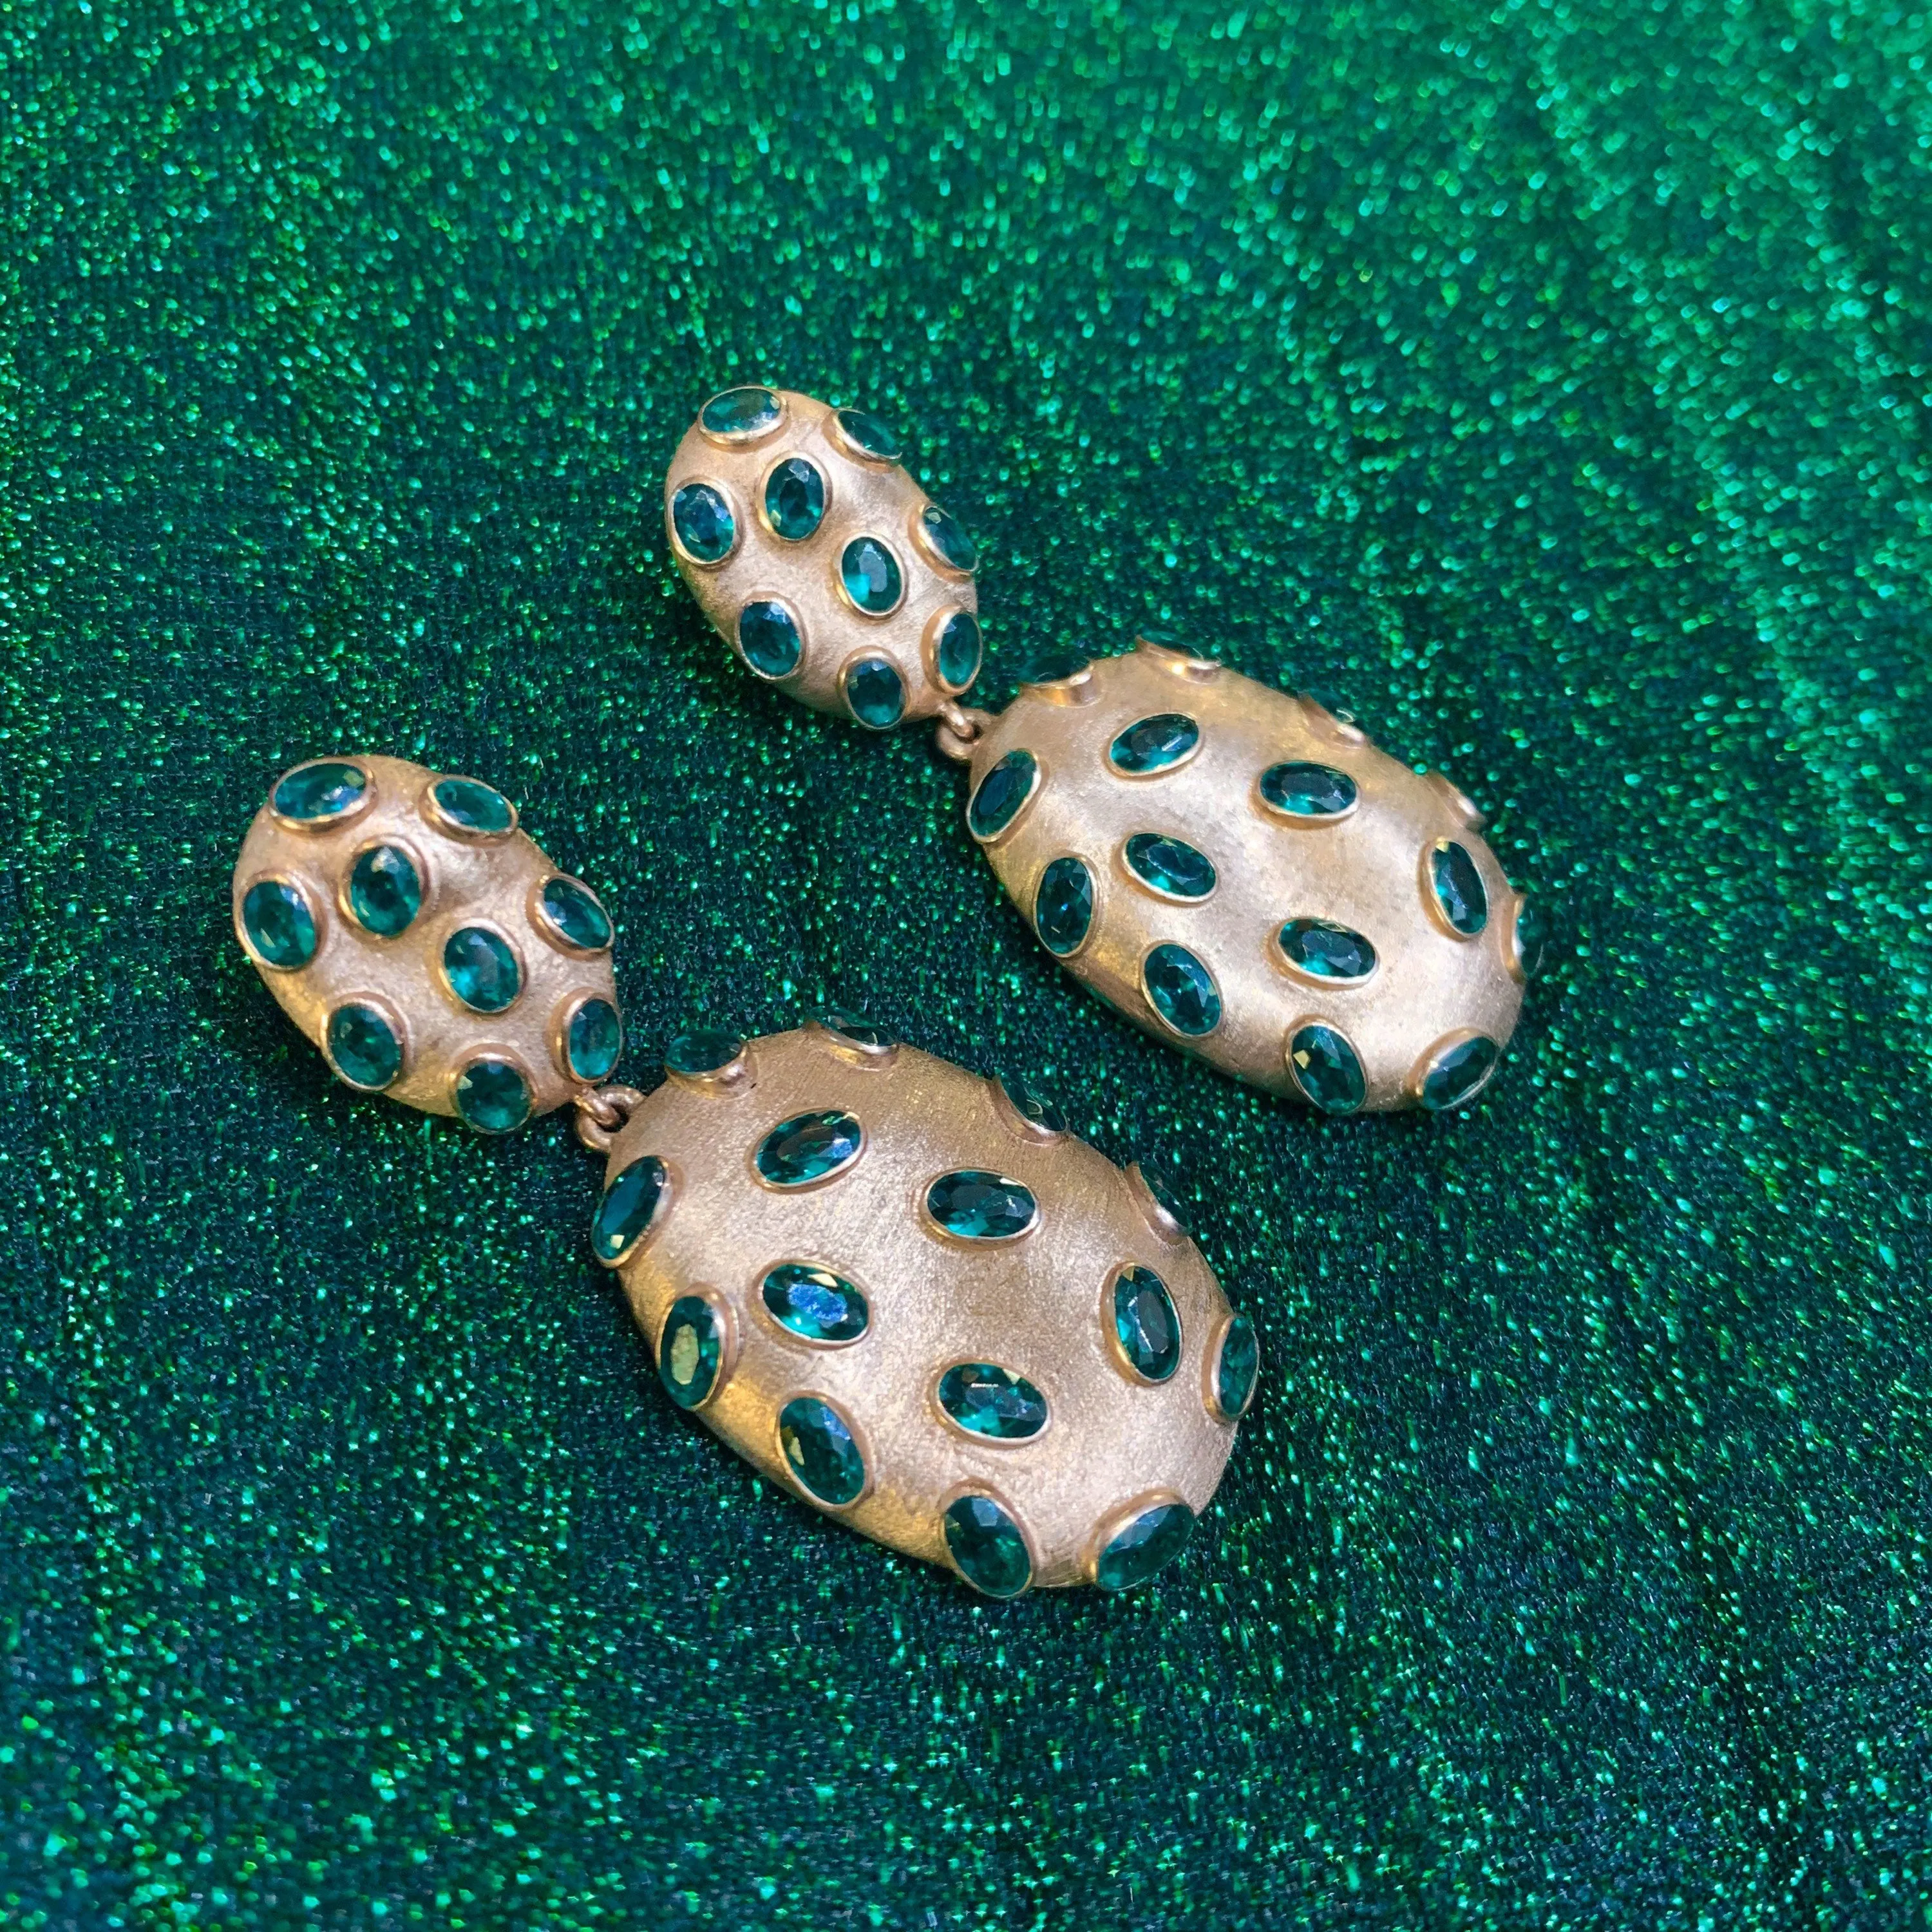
(1326,1069)
(745,411)
(1063,908)
(493,1096)
(1328,951)
(867,433)
(1153,744)
(794,500)
(690,1350)
(280,926)
(1308,791)
(324,789)
(1234,1372)
(481,970)
(1457,1072)
(1002,792)
(385,890)
(363,1047)
(1170,865)
(814,1302)
(985,1399)
(1150,1542)
(474,807)
(850,1028)
(876,692)
(768,635)
(820,1451)
(1031,1107)
(870,575)
(1055,662)
(987,1547)
(629,1206)
(978,1206)
(1459,887)
(1146,1323)
(1162,1189)
(1182,991)
(1530,939)
(572,908)
(703,1050)
(593,1040)
(957,657)
(808,1147)
(947,535)
(703,523)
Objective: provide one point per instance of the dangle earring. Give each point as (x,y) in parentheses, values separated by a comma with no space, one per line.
(1235,869)
(904,1292)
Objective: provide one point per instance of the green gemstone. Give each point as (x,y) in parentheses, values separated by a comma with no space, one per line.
(326,789)
(493,1096)
(1170,865)
(868,435)
(820,1450)
(481,970)
(1459,887)
(1031,1107)
(1456,1073)
(876,692)
(1146,1323)
(871,575)
(629,1206)
(1307,791)
(385,890)
(474,807)
(794,500)
(815,1302)
(1327,1070)
(768,635)
(703,523)
(1328,952)
(1182,991)
(703,1050)
(363,1047)
(746,411)
(1531,939)
(978,1206)
(1149,1543)
(1063,908)
(808,1147)
(1002,792)
(985,1399)
(1053,664)
(947,535)
(958,656)
(593,1040)
(849,1027)
(690,1350)
(987,1547)
(1153,744)
(1162,1189)
(572,908)
(280,926)
(1234,1373)
(1173,641)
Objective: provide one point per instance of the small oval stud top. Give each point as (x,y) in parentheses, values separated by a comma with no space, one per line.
(424,942)
(820,560)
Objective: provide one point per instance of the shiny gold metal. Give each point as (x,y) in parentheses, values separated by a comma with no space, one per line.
(469,878)
(1038,1305)
(1367,868)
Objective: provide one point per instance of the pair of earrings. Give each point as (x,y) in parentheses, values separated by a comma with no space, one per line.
(903,1291)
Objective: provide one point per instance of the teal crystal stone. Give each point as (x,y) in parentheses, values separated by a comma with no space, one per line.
(1004,789)
(819,1450)
(575,915)
(808,1147)
(855,1031)
(1173,641)
(280,926)
(690,1351)
(472,806)
(985,1399)
(947,535)
(1530,939)
(1457,1072)
(815,1302)
(957,655)
(1459,887)
(794,500)
(363,1048)
(1162,1189)
(1181,990)
(1146,1323)
(481,970)
(1054,664)
(1063,908)
(703,523)
(326,789)
(629,1206)
(493,1096)
(1328,952)
(870,575)
(1031,1107)
(1148,1544)
(1234,1373)
(768,635)
(593,1040)
(385,890)
(1326,1069)
(867,434)
(876,692)
(986,1546)
(978,1206)
(1307,791)
(1170,865)
(1153,744)
(747,411)
(703,1050)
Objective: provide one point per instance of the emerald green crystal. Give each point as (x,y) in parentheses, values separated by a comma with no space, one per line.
(820,1450)
(1031,1107)
(493,1096)
(1162,1189)
(768,635)
(808,1147)
(1063,908)
(871,575)
(876,692)
(1053,664)
(593,1040)
(987,1547)
(1459,887)
(1149,1543)
(363,1048)
(852,1029)
(1182,990)
(985,1399)
(815,1302)
(1530,940)
(703,1050)
(1234,1372)
(794,500)
(573,912)
(743,412)
(1328,951)
(385,890)
(1002,792)
(868,435)
(326,789)
(957,655)
(1170,865)
(473,806)
(978,1206)
(690,1350)
(1307,791)
(1326,1069)
(481,970)
(629,1205)
(1457,1072)
(280,928)
(1153,744)
(947,535)
(703,523)
(1146,1323)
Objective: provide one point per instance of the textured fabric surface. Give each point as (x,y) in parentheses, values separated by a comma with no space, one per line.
(1550,384)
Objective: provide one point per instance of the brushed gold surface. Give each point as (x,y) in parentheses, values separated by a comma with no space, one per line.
(1040,1305)
(467,880)
(1366,870)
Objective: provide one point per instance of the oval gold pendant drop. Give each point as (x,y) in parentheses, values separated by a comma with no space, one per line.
(906,1294)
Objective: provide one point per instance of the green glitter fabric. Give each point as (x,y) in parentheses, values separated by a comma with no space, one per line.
(1550,384)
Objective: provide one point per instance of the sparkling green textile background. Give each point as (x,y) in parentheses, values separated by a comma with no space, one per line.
(1552,384)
